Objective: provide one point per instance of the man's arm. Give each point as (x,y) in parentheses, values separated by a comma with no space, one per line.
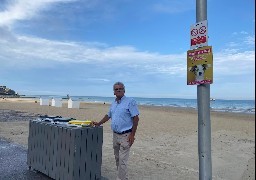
(135,124)
(131,137)
(104,119)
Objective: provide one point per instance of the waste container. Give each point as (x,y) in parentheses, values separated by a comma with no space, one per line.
(65,152)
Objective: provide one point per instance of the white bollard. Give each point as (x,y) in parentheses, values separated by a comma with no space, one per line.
(44,102)
(56,102)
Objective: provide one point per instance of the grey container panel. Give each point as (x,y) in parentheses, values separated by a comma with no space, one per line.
(76,157)
(51,153)
(64,152)
(58,150)
(70,154)
(29,146)
(83,160)
(91,145)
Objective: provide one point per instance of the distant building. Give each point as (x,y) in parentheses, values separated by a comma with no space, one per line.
(4,91)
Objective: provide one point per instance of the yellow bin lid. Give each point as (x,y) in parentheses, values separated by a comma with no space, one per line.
(80,122)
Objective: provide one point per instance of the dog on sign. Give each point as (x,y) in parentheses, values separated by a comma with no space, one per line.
(199,72)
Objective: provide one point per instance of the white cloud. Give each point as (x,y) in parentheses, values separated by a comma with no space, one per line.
(239,33)
(244,32)
(250,40)
(23,9)
(244,40)
(233,44)
(174,6)
(234,63)
(33,52)
(44,51)
(97,79)
(6,34)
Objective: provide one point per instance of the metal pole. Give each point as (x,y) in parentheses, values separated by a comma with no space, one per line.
(203,104)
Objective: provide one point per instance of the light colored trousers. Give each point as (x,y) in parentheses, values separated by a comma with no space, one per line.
(121,151)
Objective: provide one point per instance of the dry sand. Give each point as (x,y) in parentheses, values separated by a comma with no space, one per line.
(166,145)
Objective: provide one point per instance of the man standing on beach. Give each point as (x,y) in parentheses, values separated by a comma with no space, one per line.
(124,114)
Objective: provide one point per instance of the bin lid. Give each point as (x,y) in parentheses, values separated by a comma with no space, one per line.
(80,122)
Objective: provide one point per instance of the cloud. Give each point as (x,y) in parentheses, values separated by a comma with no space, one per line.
(250,40)
(6,34)
(23,9)
(97,79)
(28,49)
(174,6)
(240,33)
(30,52)
(234,63)
(242,40)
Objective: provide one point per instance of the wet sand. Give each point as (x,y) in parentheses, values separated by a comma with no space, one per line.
(166,144)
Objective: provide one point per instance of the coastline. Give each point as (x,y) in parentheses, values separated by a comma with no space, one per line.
(88,101)
(166,138)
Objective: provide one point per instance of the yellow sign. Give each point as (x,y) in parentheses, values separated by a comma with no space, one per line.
(200,66)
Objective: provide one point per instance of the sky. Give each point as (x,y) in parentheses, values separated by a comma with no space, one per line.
(82,47)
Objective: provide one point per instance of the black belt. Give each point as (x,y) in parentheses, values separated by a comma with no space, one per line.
(124,132)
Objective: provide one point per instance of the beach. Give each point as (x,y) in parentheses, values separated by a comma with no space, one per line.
(166,145)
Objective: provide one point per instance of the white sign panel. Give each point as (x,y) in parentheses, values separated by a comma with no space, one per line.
(199,35)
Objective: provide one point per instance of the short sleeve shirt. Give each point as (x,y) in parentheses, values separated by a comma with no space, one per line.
(121,114)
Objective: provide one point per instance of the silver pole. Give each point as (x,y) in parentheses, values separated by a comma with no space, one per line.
(203,104)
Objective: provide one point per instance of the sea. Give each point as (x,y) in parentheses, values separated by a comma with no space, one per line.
(221,105)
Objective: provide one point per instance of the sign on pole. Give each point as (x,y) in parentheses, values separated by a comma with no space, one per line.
(200,66)
(199,35)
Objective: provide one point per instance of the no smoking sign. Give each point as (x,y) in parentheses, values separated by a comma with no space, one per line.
(198,35)
(194,32)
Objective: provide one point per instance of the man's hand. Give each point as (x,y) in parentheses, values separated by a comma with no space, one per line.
(105,119)
(95,123)
(131,139)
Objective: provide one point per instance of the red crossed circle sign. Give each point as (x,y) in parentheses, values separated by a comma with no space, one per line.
(202,30)
(194,32)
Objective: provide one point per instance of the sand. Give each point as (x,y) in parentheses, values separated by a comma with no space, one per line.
(166,145)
